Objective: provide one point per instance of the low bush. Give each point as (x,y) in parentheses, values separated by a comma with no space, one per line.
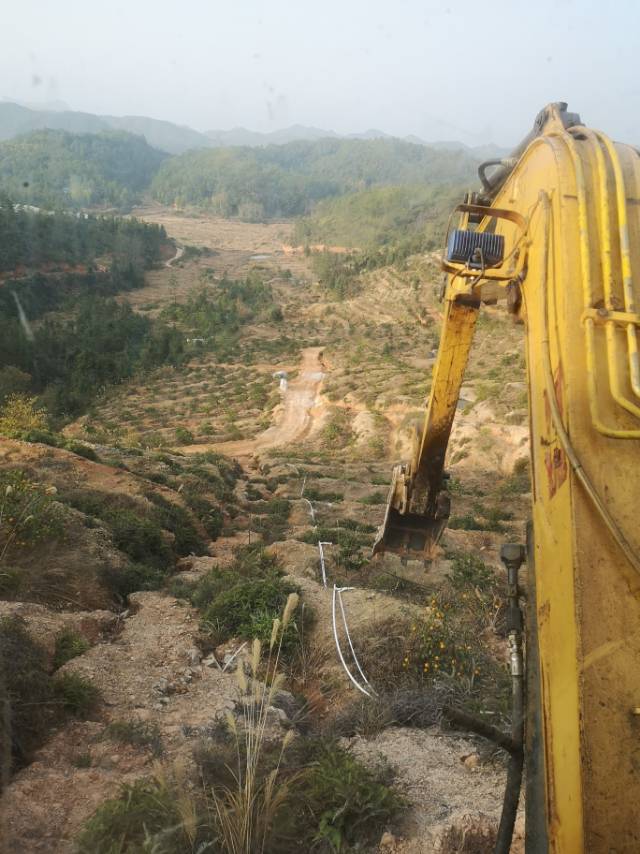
(75,693)
(184,436)
(139,538)
(137,733)
(247,608)
(143,811)
(314,494)
(349,803)
(243,599)
(470,571)
(28,514)
(173,517)
(122,581)
(82,450)
(207,513)
(374,498)
(68,645)
(467,522)
(20,414)
(43,437)
(27,688)
(273,522)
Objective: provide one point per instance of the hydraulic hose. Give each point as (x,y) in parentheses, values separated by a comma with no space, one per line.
(512,556)
(516,764)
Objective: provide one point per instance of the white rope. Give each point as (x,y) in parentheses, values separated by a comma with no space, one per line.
(335,635)
(236,653)
(346,629)
(322,566)
(311,511)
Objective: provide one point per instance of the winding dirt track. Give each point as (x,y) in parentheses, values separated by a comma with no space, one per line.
(293,419)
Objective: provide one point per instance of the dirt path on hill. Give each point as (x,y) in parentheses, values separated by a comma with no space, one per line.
(176,257)
(293,416)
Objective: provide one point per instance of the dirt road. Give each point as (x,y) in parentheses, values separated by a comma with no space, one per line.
(293,417)
(176,257)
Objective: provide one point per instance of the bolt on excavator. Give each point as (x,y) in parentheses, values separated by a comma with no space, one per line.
(555,231)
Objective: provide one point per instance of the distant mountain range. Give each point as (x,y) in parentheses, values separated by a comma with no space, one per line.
(17,119)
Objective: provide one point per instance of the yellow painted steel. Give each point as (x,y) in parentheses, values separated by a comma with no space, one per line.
(573,253)
(579,304)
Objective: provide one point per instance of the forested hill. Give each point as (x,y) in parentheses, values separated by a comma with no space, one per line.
(381,216)
(55,169)
(32,240)
(62,336)
(287,180)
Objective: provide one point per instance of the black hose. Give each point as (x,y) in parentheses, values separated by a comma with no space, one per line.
(512,556)
(510,803)
(514,772)
(486,183)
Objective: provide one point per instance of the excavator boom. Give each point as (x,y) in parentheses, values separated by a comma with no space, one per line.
(557,227)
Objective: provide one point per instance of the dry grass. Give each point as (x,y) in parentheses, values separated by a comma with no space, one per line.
(246,810)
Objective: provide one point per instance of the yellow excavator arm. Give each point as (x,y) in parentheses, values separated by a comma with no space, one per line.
(557,227)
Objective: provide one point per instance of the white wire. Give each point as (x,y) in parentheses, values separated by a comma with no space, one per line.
(346,629)
(335,635)
(311,510)
(322,566)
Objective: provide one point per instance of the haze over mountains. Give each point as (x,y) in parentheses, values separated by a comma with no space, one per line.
(17,119)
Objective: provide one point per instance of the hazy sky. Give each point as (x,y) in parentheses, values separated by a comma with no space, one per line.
(456,69)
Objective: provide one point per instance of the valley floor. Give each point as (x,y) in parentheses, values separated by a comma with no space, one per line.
(357,375)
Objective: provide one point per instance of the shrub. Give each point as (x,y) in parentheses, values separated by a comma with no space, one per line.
(19,415)
(467,522)
(184,436)
(207,513)
(173,517)
(76,694)
(43,437)
(314,494)
(13,381)
(142,810)
(139,538)
(137,733)
(350,803)
(10,581)
(374,498)
(244,598)
(121,582)
(82,760)
(27,513)
(27,687)
(82,450)
(248,608)
(69,644)
(468,570)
